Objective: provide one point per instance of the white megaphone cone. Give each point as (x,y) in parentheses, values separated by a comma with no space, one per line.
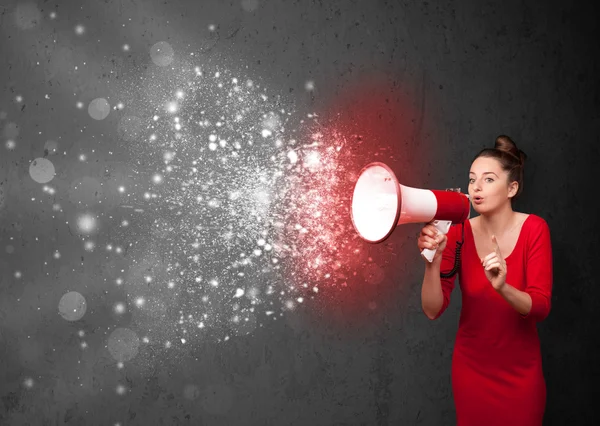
(380,203)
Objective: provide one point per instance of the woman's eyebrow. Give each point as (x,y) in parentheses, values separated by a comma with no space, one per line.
(485,173)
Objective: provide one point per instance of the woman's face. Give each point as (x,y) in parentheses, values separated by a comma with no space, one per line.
(488,185)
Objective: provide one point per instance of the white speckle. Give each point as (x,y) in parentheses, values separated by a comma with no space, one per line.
(293,157)
(239,292)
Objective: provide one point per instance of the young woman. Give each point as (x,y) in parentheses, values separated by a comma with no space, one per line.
(505,276)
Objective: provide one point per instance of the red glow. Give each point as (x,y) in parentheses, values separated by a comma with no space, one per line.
(346,279)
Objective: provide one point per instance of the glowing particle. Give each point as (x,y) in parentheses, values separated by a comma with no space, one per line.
(99,109)
(86,223)
(172,107)
(162,53)
(293,156)
(119,308)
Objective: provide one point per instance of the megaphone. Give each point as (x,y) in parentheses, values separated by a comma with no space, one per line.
(380,203)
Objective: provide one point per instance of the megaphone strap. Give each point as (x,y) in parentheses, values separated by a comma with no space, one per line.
(456,255)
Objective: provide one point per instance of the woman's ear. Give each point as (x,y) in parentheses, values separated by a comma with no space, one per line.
(513,187)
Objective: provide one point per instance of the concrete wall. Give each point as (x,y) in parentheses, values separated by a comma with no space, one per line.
(421,86)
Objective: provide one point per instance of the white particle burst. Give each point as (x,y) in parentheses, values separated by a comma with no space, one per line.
(234,180)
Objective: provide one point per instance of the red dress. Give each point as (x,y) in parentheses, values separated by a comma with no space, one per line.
(497,376)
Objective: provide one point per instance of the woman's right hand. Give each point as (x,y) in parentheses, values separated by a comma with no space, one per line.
(432,238)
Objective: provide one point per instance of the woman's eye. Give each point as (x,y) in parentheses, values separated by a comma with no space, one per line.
(489,179)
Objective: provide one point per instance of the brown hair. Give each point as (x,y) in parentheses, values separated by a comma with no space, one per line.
(511,159)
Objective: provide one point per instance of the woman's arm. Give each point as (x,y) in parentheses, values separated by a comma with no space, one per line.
(519,300)
(432,297)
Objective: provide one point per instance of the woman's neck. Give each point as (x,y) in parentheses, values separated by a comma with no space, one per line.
(497,223)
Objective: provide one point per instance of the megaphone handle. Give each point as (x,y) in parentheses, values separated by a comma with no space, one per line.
(443,226)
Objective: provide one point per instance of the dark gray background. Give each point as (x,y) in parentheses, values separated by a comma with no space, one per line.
(461,72)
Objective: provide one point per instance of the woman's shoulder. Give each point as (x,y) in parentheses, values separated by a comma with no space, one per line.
(535,227)
(533,220)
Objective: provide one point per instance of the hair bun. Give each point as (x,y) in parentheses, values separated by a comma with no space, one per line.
(506,144)
(522,157)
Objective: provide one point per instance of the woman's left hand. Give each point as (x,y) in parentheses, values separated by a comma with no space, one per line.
(495,266)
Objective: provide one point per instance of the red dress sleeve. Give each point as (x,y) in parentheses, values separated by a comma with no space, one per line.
(454,234)
(538,273)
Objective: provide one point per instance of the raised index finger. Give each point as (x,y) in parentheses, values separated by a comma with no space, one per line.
(496,245)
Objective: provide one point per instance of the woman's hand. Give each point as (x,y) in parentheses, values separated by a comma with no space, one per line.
(495,266)
(431,238)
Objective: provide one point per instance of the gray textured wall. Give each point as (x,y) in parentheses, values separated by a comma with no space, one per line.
(420,85)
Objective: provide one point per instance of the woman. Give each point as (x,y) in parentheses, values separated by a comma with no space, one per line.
(506,284)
